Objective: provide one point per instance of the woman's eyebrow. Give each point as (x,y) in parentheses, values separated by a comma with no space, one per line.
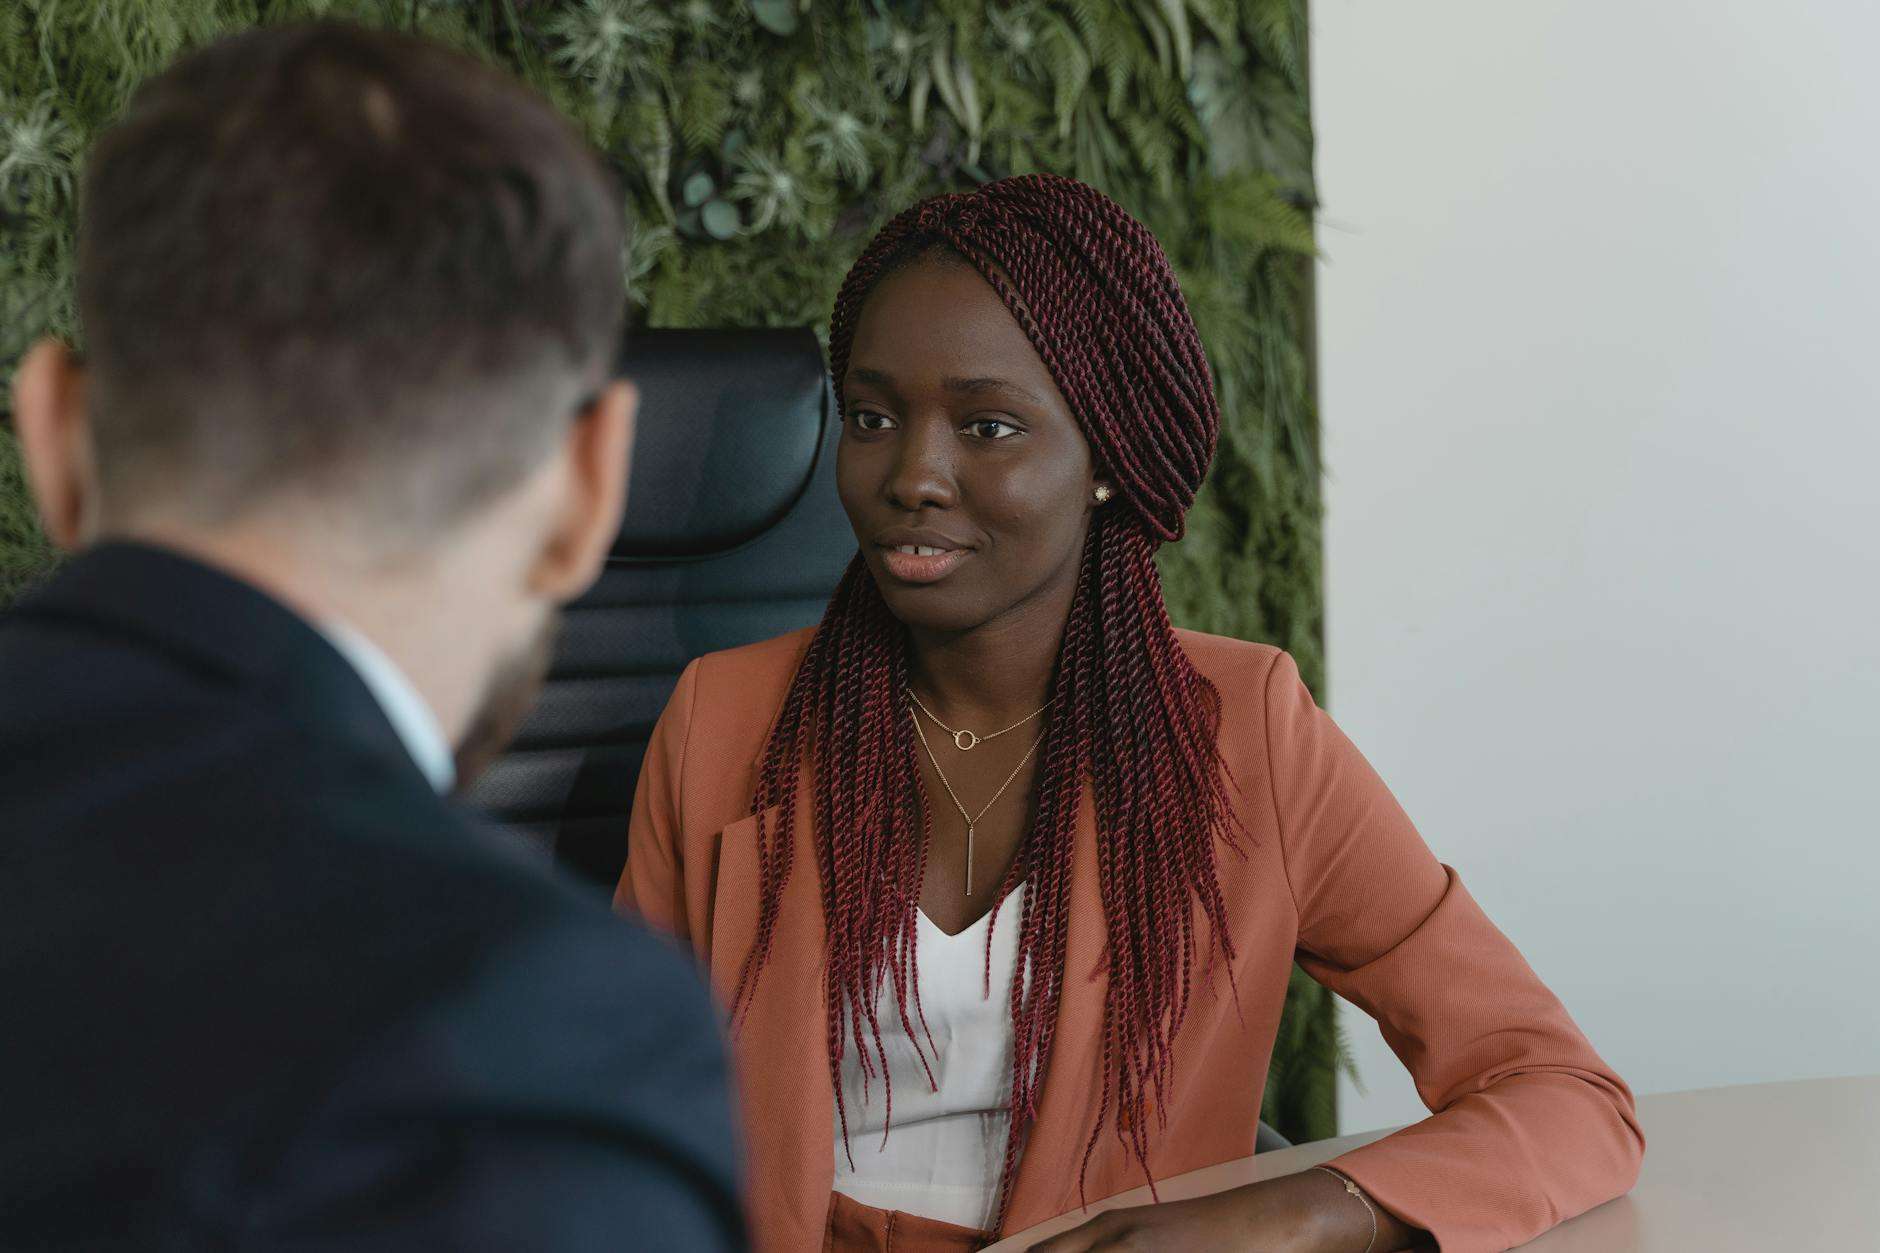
(872,376)
(959,386)
(979,386)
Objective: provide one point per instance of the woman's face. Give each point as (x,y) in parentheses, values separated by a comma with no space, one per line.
(965,477)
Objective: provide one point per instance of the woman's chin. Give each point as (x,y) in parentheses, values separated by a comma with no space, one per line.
(930,607)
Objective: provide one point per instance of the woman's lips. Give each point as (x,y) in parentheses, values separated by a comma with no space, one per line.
(915,564)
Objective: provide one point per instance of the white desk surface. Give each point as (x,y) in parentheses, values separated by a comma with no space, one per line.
(1789,1167)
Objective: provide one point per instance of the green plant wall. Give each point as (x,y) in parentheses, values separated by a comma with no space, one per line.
(761,141)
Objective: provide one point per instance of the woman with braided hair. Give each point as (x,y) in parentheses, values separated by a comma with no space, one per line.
(1002,876)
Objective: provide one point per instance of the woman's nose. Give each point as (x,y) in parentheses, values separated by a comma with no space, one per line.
(923,469)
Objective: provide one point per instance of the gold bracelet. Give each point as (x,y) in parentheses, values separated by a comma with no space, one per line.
(1355,1191)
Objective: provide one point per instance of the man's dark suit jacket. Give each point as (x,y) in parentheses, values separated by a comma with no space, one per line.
(261,988)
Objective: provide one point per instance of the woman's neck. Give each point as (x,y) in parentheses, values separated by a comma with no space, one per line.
(993,674)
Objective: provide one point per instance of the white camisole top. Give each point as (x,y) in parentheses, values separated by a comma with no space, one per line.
(942,1155)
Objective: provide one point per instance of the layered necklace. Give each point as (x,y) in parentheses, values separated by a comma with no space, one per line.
(966,741)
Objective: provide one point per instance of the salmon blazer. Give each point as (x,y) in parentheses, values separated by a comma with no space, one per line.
(1528,1126)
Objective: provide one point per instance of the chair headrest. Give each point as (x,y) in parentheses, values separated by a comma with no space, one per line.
(729,429)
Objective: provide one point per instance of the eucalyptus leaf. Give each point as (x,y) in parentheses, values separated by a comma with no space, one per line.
(968,88)
(941,65)
(1175,14)
(720,219)
(917,93)
(698,189)
(776,16)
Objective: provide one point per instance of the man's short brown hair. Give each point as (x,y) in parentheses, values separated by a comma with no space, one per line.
(345,265)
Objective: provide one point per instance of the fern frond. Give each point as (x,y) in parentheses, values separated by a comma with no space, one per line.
(703,106)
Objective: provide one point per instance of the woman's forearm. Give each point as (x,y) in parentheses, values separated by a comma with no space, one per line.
(1309,1212)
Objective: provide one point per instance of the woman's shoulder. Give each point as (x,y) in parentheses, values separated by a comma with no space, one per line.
(1261,691)
(1228,663)
(747,683)
(721,712)
(775,656)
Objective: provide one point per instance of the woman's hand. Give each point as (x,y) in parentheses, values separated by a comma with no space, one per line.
(1309,1212)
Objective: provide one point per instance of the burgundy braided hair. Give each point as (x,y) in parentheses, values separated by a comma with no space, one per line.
(1131,717)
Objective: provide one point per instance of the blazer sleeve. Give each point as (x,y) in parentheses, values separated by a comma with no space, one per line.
(652,883)
(569,1093)
(1528,1126)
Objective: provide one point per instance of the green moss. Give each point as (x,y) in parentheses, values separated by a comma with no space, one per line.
(762,142)
(24,554)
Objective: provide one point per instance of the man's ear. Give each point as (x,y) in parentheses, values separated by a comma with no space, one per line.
(55,442)
(597,460)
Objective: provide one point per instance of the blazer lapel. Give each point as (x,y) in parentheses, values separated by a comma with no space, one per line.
(779,1036)
(1046,1183)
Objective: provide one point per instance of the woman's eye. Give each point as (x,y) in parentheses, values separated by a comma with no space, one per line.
(991,428)
(869,420)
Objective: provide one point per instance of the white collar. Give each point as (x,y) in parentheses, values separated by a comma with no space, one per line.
(410,716)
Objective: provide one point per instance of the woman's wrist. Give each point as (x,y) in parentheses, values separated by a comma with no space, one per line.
(1348,1219)
(1353,1193)
(1297,1214)
(1318,1214)
(1310,1212)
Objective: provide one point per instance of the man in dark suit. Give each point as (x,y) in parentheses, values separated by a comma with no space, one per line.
(343,441)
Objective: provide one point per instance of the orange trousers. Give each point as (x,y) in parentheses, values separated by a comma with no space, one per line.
(857,1228)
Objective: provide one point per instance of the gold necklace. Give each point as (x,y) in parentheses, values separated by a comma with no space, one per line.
(972,821)
(965,741)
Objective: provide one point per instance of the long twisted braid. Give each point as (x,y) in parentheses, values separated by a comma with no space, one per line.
(1131,716)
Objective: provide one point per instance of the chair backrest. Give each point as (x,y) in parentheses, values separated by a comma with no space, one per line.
(732,534)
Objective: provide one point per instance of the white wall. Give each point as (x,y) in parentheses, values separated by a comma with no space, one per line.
(1600,333)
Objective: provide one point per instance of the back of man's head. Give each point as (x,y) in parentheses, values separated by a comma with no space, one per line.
(339,269)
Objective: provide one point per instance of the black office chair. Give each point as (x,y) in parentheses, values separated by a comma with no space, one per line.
(733,534)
